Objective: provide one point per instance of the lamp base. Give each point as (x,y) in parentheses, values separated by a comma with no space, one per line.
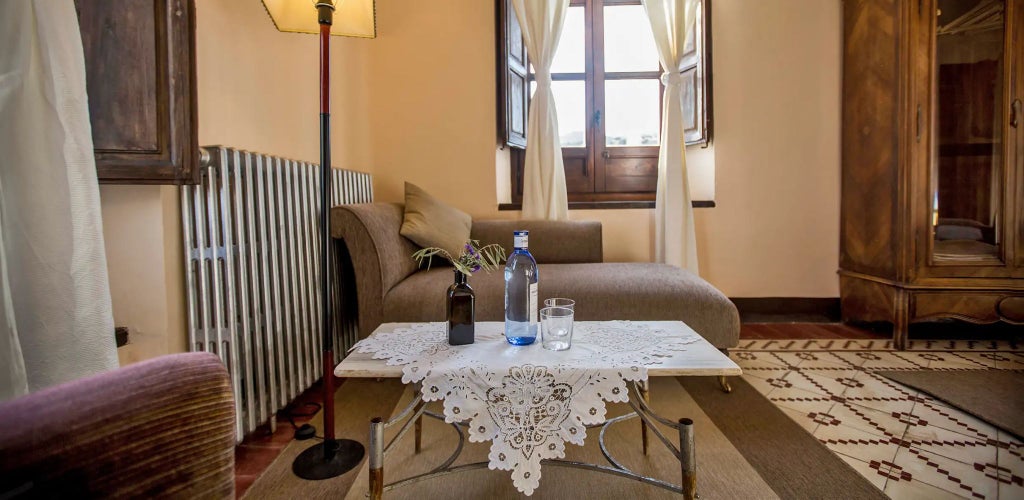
(313,464)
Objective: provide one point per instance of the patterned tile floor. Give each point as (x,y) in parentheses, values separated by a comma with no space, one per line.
(906,443)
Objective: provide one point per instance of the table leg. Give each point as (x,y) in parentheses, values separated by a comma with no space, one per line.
(724,382)
(418,426)
(688,459)
(376,458)
(645,392)
(418,433)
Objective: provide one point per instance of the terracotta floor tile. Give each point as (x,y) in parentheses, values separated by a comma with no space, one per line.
(789,390)
(1010,361)
(1010,473)
(855,443)
(944,473)
(877,475)
(877,422)
(757,360)
(827,382)
(880,393)
(916,490)
(976,359)
(764,372)
(243,482)
(1010,453)
(253,460)
(949,444)
(805,418)
(952,419)
(825,361)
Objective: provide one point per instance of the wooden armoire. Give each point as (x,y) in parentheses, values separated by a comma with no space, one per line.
(932,224)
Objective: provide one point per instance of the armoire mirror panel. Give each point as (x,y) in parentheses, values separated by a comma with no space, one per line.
(968,166)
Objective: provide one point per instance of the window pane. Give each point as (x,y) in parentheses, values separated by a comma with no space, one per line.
(571,104)
(628,41)
(571,53)
(634,112)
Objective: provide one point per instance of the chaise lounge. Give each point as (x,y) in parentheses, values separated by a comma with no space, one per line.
(390,287)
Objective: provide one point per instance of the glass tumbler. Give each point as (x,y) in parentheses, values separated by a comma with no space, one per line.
(560,302)
(556,328)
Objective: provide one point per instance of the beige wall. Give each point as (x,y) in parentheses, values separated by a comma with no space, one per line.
(259,89)
(431,76)
(775,231)
(775,178)
(144,260)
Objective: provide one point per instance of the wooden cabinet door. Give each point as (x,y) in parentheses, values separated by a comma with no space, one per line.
(140,76)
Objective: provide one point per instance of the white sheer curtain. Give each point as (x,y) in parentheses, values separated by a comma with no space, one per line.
(674,236)
(544,195)
(55,315)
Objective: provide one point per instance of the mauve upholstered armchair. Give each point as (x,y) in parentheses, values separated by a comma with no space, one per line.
(163,428)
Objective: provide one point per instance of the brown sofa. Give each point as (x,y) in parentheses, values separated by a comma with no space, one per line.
(391,288)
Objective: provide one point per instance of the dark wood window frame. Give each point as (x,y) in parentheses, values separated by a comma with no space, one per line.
(597,176)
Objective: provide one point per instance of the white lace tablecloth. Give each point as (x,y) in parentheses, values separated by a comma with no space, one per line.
(528,401)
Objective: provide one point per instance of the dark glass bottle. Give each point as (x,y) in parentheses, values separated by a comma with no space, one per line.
(461,311)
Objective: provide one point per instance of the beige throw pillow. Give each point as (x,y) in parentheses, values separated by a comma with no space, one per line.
(429,222)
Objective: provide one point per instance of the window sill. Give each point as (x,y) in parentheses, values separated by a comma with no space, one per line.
(605,205)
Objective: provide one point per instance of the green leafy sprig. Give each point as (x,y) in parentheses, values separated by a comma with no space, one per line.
(472,259)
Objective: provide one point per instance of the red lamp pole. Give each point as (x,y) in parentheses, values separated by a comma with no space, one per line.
(325,17)
(334,456)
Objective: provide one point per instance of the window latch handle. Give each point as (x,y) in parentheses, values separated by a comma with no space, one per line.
(597,118)
(1015,113)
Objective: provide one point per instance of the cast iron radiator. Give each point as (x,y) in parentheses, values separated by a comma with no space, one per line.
(252,274)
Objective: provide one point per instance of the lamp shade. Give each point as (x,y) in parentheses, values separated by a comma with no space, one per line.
(351,17)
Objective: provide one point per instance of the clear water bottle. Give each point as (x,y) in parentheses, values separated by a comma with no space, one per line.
(521,293)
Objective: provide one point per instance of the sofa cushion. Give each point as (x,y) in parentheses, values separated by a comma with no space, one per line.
(551,242)
(603,291)
(429,222)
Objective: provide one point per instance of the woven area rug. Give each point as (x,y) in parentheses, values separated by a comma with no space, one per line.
(994,396)
(906,442)
(769,456)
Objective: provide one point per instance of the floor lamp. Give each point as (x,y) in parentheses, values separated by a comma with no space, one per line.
(333,457)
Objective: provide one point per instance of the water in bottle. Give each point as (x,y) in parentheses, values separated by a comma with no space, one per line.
(521,293)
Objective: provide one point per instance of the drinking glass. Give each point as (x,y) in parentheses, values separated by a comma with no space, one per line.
(556,328)
(560,302)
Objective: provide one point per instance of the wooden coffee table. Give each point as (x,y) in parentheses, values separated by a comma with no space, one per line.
(699,358)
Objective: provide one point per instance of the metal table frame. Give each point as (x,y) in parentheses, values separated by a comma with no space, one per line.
(412,417)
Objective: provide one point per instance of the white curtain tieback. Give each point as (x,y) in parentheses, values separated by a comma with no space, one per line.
(671,78)
(543,79)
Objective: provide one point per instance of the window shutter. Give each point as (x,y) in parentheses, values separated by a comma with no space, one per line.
(513,86)
(696,84)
